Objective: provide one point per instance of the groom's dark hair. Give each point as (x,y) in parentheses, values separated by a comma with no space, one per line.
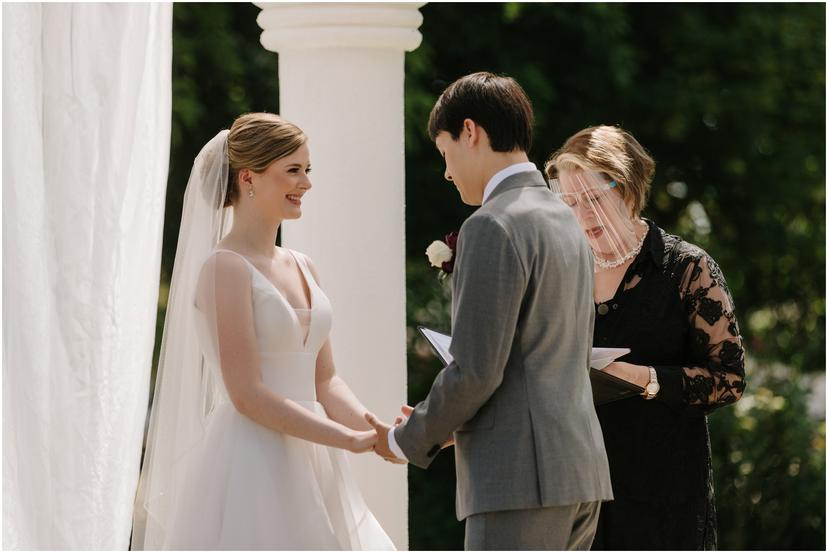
(496,103)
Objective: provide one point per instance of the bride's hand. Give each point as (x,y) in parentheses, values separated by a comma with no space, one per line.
(406,412)
(362,441)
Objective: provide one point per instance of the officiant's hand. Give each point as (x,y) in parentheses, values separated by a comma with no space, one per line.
(637,374)
(381,446)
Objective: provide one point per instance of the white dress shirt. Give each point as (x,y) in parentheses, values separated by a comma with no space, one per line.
(501,175)
(498,177)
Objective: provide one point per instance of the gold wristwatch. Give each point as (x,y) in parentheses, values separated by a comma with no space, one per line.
(652,387)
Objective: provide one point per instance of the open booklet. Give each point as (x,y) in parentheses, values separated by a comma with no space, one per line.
(605,387)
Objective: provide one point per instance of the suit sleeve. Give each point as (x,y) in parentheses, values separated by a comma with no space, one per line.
(489,283)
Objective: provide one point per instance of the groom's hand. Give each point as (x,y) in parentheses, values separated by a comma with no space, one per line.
(406,412)
(381,446)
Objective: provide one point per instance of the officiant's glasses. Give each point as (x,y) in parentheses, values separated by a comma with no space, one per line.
(588,198)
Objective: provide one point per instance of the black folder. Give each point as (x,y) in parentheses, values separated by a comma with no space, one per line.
(607,388)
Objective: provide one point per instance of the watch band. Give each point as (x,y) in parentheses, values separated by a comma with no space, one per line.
(652,388)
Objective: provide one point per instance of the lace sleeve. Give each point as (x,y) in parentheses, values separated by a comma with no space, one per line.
(714,338)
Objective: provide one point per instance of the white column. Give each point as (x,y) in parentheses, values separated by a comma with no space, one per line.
(341,80)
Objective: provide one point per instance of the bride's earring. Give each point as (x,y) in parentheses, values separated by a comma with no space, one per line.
(250,192)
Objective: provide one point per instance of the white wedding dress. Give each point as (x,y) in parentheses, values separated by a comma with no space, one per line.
(248,487)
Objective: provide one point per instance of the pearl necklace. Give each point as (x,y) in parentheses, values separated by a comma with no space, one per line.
(604,264)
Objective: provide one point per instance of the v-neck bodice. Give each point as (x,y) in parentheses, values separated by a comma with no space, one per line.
(288,339)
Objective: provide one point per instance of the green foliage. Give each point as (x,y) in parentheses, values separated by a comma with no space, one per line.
(729,99)
(769,468)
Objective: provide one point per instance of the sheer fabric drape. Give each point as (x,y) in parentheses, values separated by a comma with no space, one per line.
(86,129)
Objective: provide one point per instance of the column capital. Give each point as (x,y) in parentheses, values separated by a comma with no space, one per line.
(302,25)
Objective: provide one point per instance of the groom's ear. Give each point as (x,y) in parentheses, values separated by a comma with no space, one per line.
(470,132)
(474,135)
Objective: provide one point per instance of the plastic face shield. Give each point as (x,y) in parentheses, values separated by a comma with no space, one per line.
(605,218)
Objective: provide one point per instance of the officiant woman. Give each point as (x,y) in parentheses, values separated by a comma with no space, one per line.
(667,301)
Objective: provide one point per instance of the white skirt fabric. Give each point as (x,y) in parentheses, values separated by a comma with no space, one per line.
(250,488)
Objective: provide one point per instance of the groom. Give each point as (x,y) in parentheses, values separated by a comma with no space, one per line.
(531,465)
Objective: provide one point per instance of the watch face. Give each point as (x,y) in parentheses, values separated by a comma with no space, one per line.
(652,388)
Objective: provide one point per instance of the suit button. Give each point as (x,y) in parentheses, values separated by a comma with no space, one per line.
(433,451)
(603,309)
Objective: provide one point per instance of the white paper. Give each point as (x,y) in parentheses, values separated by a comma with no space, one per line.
(599,359)
(441,343)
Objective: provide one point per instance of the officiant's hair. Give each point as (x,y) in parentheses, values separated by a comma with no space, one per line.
(255,141)
(496,103)
(612,151)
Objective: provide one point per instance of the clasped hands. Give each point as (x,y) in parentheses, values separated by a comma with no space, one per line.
(381,447)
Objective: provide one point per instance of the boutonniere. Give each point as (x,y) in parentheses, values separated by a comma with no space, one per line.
(441,254)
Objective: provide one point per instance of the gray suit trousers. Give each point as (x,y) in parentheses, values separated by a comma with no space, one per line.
(568,527)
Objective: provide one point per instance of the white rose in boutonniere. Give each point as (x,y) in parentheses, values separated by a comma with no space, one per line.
(441,254)
(438,253)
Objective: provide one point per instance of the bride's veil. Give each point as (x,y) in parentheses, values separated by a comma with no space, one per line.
(186,389)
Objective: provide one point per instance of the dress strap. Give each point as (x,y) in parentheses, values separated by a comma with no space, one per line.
(298,257)
(246,261)
(234,253)
(303,266)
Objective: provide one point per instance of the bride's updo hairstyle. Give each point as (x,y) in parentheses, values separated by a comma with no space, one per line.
(255,141)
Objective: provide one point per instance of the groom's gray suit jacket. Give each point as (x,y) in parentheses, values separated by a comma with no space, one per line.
(517,395)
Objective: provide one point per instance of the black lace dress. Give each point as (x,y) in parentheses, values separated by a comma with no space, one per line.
(674,311)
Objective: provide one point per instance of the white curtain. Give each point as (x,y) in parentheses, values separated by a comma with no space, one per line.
(86,131)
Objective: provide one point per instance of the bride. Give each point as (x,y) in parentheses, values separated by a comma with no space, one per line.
(249,419)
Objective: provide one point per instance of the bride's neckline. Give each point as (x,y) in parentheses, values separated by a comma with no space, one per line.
(302,274)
